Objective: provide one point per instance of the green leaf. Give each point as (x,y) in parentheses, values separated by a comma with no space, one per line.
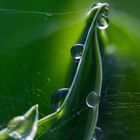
(82,100)
(35,61)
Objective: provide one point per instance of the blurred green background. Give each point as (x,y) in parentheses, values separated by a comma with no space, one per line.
(35,40)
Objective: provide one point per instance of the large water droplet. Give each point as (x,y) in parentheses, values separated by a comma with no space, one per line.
(92,100)
(76,51)
(58,97)
(102,22)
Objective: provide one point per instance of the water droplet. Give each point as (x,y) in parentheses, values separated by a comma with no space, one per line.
(98,133)
(92,99)
(102,22)
(76,51)
(58,97)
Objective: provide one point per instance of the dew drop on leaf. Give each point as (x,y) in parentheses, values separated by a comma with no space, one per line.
(102,22)
(92,99)
(76,51)
(58,97)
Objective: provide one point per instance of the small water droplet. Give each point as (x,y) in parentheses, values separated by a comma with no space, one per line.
(76,51)
(92,99)
(102,22)
(58,97)
(98,133)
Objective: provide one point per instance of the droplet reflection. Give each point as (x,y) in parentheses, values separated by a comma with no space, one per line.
(76,51)
(92,100)
(58,97)
(102,22)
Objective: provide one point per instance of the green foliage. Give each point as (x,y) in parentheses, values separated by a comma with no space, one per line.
(81,100)
(35,61)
